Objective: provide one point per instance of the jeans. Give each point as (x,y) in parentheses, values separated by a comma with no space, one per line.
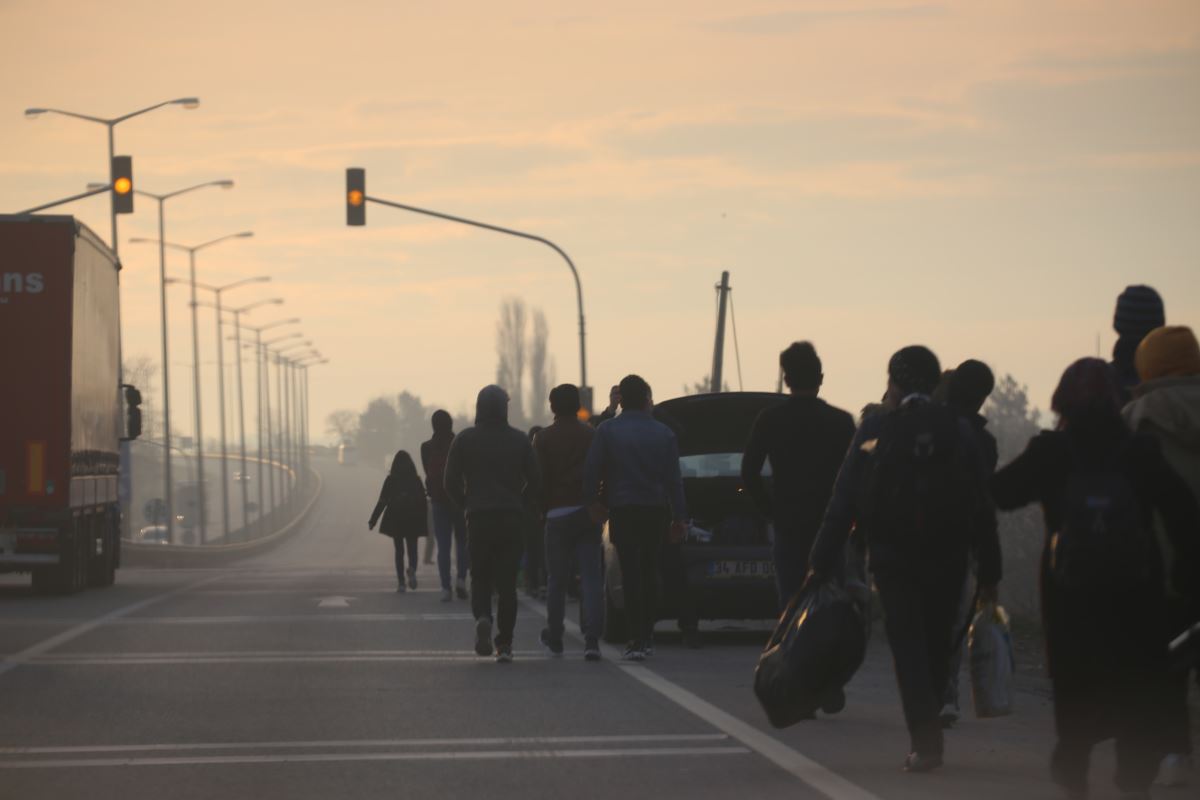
(921,613)
(965,611)
(402,544)
(574,534)
(791,564)
(447,521)
(494,538)
(535,552)
(675,585)
(638,533)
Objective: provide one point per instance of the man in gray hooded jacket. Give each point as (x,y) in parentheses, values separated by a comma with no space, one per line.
(490,471)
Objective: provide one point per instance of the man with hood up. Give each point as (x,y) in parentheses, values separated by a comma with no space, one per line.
(490,473)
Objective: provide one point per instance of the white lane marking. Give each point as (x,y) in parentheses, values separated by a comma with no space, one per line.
(448,755)
(197,659)
(336,601)
(507,741)
(14,660)
(176,654)
(809,772)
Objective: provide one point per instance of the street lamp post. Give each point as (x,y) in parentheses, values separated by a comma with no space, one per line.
(111,123)
(168,486)
(273,447)
(217,292)
(304,363)
(191,251)
(257,348)
(287,409)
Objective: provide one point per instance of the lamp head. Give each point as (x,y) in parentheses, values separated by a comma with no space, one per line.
(243,235)
(95,187)
(187,102)
(34,113)
(225,184)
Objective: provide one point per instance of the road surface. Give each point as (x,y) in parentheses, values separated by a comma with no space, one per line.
(301,674)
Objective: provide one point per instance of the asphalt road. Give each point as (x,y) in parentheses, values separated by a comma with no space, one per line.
(302,674)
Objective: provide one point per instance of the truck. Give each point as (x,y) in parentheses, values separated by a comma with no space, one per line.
(63,409)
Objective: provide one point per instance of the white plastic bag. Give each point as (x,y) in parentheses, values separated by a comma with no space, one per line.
(991,657)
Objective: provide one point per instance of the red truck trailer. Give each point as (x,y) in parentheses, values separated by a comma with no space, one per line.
(62,415)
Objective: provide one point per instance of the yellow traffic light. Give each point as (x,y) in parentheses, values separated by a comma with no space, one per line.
(123,186)
(355,197)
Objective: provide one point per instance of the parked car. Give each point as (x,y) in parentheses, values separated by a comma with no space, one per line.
(727,551)
(153,534)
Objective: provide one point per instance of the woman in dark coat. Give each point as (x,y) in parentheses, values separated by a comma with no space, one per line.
(1104,617)
(402,504)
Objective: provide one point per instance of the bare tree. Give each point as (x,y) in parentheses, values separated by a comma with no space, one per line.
(142,372)
(539,373)
(342,425)
(511,352)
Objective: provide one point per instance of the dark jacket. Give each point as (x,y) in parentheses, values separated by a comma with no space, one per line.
(491,466)
(806,440)
(402,504)
(561,449)
(888,549)
(433,460)
(637,459)
(989,452)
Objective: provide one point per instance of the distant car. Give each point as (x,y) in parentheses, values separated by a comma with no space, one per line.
(347,455)
(153,534)
(727,551)
(241,477)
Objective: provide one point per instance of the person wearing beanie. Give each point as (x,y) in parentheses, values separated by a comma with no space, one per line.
(1166,406)
(1139,311)
(914,481)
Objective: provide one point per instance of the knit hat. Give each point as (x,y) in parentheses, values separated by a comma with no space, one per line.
(915,369)
(1168,352)
(1139,311)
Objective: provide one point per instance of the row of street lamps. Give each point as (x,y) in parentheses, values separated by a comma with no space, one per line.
(292,410)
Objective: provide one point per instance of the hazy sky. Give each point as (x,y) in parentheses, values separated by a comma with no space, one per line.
(981,177)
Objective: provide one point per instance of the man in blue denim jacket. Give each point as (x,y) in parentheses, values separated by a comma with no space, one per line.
(634,462)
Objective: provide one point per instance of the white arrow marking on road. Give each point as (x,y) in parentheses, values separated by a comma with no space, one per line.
(337,601)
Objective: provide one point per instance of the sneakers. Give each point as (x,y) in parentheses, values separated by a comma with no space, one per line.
(460,587)
(412,578)
(634,652)
(919,762)
(483,637)
(400,588)
(834,702)
(447,595)
(591,649)
(504,654)
(949,715)
(555,646)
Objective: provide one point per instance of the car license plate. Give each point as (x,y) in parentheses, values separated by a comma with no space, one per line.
(741,569)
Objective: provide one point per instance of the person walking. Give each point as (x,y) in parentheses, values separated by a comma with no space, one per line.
(571,534)
(534,561)
(1166,406)
(1104,607)
(1139,311)
(402,505)
(805,439)
(449,526)
(636,458)
(913,483)
(968,387)
(490,473)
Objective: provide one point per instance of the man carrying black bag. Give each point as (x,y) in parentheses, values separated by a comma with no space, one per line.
(913,481)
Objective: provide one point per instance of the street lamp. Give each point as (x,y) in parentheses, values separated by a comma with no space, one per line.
(110,123)
(276,434)
(264,411)
(304,363)
(191,251)
(162,291)
(217,292)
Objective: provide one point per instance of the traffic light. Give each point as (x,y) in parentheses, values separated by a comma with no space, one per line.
(122,184)
(356,196)
(133,412)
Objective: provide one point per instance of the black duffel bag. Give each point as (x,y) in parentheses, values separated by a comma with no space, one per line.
(816,648)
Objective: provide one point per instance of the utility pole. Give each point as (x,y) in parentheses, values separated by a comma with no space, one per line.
(719,345)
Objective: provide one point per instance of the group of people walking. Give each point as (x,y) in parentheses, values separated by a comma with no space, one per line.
(909,494)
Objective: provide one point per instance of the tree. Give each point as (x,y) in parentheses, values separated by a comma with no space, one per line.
(1010,418)
(378,428)
(511,350)
(342,425)
(539,374)
(142,372)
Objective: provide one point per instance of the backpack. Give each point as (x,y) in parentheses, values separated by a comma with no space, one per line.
(1104,538)
(920,483)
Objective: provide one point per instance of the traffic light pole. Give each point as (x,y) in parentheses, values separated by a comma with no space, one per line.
(522,235)
(66,200)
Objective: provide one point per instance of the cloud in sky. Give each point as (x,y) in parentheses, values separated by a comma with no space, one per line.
(982,176)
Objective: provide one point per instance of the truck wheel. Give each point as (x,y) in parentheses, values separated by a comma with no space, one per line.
(616,631)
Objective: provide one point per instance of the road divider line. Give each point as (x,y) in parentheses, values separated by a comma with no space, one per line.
(807,771)
(327,616)
(309,758)
(226,660)
(333,744)
(15,660)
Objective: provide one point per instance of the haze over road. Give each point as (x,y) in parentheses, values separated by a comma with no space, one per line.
(302,674)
